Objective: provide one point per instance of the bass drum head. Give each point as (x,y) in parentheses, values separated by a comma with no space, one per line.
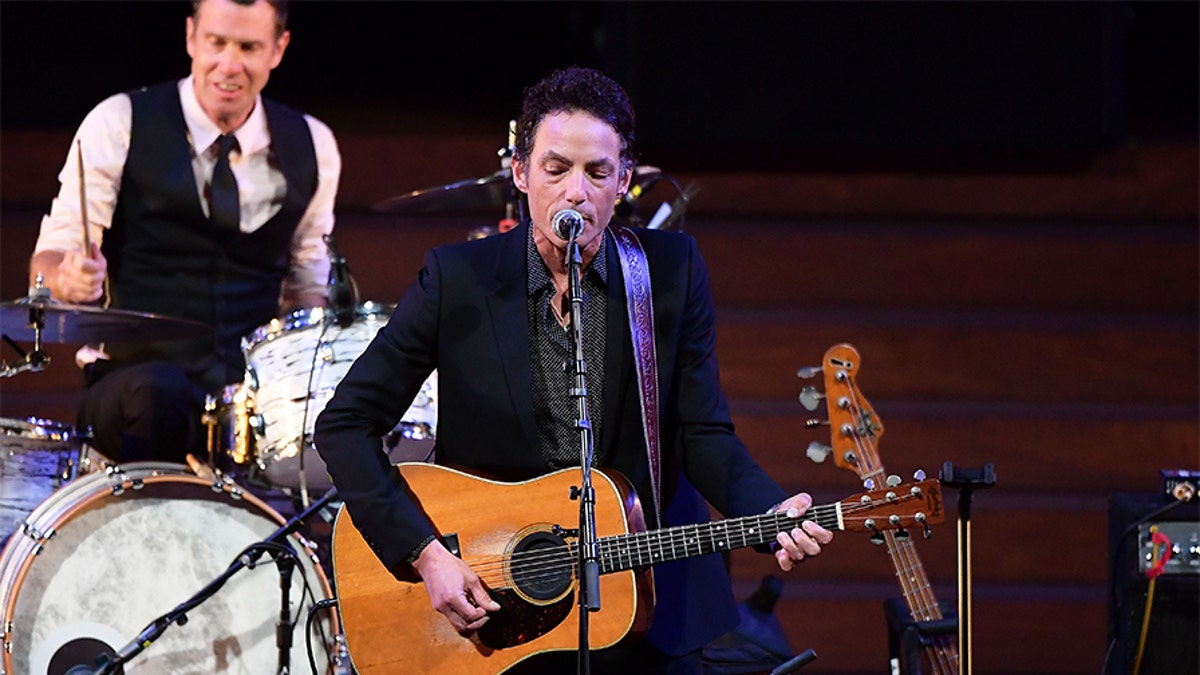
(132,544)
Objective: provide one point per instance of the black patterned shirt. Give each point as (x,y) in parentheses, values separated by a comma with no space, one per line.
(552,358)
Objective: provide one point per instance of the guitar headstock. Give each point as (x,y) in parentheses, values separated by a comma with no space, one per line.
(855,428)
(896,507)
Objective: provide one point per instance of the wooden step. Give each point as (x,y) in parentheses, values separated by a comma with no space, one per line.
(1017,631)
(952,265)
(969,357)
(1035,449)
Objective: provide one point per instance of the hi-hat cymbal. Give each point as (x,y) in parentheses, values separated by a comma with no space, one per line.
(65,323)
(477,194)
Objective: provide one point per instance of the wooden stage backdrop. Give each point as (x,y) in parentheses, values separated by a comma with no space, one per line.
(1044,323)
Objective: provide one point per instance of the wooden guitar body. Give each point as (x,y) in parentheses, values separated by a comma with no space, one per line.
(394,629)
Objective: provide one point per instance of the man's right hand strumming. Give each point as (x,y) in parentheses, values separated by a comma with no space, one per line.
(454,588)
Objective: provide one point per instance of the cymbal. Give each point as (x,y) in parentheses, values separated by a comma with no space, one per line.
(65,323)
(476,194)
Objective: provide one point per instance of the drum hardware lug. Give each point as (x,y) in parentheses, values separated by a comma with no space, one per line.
(37,536)
(325,351)
(258,424)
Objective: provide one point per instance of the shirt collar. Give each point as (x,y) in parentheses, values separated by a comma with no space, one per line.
(252,136)
(539,276)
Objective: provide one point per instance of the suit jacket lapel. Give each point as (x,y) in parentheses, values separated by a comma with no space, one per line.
(506,303)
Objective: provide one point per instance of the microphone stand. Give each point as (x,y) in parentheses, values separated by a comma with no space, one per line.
(283,554)
(589,573)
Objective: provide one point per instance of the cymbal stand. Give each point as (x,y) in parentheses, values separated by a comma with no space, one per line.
(514,208)
(37,360)
(284,556)
(514,205)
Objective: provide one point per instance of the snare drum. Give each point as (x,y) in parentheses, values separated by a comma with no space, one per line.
(292,369)
(36,457)
(112,551)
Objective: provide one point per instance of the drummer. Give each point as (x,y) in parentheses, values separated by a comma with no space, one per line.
(204,201)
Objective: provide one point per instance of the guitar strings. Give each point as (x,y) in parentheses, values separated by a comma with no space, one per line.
(914,583)
(655,546)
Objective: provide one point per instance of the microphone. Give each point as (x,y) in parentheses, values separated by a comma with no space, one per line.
(567,224)
(340,286)
(669,216)
(644,177)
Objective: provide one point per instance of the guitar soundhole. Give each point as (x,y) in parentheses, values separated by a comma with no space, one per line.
(542,566)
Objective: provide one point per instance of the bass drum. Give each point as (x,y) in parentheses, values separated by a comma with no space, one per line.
(292,369)
(111,552)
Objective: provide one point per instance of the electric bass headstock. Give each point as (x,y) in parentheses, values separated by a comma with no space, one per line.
(855,428)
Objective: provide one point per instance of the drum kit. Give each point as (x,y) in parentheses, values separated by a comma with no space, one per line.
(92,549)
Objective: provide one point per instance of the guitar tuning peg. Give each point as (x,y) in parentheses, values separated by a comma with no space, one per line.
(877,538)
(869,483)
(818,452)
(928,532)
(810,398)
(902,534)
(919,475)
(813,423)
(894,480)
(808,372)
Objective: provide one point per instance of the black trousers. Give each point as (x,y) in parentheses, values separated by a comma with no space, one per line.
(143,412)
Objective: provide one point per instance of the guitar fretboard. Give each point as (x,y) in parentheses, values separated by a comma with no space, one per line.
(627,551)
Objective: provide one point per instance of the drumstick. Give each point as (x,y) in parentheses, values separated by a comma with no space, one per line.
(87,240)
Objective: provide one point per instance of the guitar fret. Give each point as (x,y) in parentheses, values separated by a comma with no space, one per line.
(645,548)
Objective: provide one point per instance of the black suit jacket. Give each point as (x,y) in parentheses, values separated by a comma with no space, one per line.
(466,316)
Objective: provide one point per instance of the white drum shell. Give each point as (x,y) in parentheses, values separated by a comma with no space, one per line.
(293,367)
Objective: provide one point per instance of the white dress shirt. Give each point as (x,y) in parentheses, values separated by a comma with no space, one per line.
(105,134)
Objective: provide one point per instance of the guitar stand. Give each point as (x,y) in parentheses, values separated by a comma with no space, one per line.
(907,639)
(966,481)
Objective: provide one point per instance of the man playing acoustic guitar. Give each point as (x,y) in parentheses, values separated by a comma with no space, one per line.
(493,317)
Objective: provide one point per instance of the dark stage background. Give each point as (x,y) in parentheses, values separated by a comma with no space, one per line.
(996,202)
(914,85)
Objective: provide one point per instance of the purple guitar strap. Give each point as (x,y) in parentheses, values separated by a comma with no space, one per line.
(641,330)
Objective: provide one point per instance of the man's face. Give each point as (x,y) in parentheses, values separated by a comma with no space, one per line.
(233,49)
(575,163)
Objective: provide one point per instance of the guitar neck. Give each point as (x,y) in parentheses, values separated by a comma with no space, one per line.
(629,551)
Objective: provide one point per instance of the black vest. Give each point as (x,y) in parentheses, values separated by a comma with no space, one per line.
(163,255)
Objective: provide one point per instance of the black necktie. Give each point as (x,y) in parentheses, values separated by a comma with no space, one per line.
(223,210)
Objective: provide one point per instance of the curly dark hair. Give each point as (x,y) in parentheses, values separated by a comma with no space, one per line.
(577,89)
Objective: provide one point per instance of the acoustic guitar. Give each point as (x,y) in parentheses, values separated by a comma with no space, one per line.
(855,430)
(520,539)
